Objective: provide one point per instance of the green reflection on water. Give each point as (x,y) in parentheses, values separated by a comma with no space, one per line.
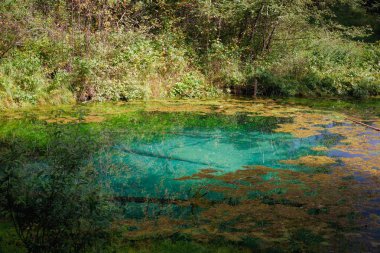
(143,153)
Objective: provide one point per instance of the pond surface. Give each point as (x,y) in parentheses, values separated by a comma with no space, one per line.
(231,143)
(252,172)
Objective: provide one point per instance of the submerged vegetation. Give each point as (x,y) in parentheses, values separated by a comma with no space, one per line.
(122,177)
(60,51)
(120,130)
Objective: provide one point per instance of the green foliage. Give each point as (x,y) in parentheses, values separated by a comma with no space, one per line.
(273,85)
(21,77)
(224,66)
(140,69)
(30,75)
(331,67)
(57,51)
(54,199)
(192,86)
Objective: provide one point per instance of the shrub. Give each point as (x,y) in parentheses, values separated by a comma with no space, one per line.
(326,68)
(192,86)
(365,88)
(21,77)
(223,66)
(141,68)
(272,85)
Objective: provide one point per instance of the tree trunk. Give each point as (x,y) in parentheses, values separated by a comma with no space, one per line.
(270,37)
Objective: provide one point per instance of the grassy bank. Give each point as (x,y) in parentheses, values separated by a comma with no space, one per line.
(59,52)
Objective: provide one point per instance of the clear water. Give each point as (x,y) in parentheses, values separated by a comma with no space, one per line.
(152,166)
(144,153)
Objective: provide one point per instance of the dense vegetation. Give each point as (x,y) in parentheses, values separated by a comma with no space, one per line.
(59,51)
(66,51)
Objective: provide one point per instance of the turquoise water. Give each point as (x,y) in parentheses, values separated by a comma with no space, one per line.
(145,160)
(151,166)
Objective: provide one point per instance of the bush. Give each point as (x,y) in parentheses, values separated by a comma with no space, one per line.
(31,72)
(271,85)
(21,77)
(326,68)
(223,65)
(134,66)
(365,88)
(113,66)
(192,86)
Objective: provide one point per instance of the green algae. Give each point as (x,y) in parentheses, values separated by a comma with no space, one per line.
(226,195)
